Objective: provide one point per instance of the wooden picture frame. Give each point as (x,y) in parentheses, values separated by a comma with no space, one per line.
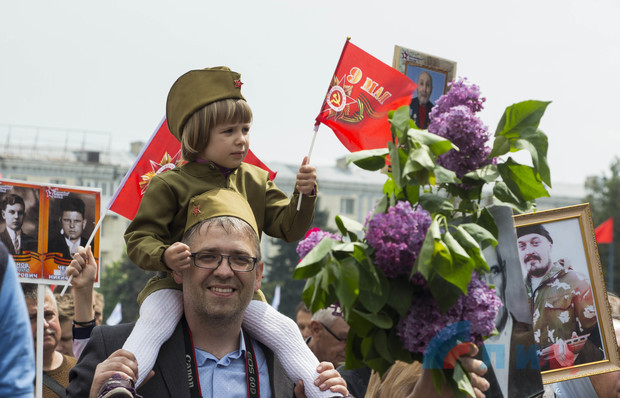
(411,63)
(566,293)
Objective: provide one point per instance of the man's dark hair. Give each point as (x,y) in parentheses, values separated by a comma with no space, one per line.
(10,199)
(71,203)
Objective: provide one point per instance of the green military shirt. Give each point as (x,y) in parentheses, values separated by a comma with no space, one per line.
(162,215)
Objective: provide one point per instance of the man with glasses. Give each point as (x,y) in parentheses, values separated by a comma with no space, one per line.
(208,354)
(328,336)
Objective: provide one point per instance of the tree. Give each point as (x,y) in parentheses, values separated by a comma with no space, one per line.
(603,194)
(121,282)
(281,266)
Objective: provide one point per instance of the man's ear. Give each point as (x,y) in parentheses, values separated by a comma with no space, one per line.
(259,275)
(315,328)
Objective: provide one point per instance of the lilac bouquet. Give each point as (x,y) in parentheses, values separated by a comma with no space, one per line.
(412,271)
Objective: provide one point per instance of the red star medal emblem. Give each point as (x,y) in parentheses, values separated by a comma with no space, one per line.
(196,211)
(238,83)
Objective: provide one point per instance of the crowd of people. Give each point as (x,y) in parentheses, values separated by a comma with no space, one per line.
(204,328)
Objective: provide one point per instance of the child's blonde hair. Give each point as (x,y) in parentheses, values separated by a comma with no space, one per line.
(198,128)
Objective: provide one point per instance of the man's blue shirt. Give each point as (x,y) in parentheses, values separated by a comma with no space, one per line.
(227,377)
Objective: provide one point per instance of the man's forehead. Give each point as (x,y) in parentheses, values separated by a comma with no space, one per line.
(214,235)
(530,237)
(71,214)
(15,206)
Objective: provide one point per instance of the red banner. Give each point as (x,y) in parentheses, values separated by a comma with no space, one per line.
(162,152)
(604,233)
(360,95)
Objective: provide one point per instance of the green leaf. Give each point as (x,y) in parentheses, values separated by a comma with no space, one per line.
(536,143)
(505,195)
(347,283)
(380,320)
(517,119)
(446,293)
(458,272)
(488,173)
(472,247)
(436,204)
(353,353)
(371,159)
(522,180)
(445,176)
(437,144)
(348,227)
(462,380)
(419,156)
(480,234)
(372,292)
(400,118)
(400,295)
(359,324)
(314,260)
(395,162)
(382,346)
(432,250)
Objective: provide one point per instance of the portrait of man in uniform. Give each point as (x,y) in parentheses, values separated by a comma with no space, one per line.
(560,297)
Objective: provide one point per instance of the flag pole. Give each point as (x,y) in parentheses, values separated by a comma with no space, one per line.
(316,129)
(610,272)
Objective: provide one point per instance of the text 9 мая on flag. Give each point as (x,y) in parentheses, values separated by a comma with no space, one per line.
(161,153)
(360,95)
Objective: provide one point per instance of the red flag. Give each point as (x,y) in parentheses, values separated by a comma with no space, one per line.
(360,95)
(162,152)
(604,233)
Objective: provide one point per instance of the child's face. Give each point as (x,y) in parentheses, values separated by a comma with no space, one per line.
(228,144)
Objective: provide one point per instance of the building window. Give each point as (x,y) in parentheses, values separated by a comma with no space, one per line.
(346,205)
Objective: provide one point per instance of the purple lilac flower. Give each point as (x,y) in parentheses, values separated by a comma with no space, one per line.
(460,93)
(480,307)
(396,237)
(466,131)
(424,319)
(313,237)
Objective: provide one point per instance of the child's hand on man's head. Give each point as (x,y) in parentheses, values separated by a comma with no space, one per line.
(306,178)
(176,256)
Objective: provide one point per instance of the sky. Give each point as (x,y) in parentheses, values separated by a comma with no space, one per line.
(107,66)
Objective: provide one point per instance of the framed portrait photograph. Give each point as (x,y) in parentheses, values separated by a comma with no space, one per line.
(20,232)
(431,74)
(72,214)
(567,298)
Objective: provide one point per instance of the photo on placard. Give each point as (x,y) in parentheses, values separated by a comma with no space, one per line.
(72,217)
(20,211)
(431,74)
(566,293)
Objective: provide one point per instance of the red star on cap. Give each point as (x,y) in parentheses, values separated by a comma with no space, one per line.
(196,210)
(238,83)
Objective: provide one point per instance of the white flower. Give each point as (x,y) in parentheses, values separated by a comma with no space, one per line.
(564,316)
(550,333)
(537,336)
(535,316)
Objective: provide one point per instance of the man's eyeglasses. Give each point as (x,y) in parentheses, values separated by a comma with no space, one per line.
(237,263)
(332,333)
